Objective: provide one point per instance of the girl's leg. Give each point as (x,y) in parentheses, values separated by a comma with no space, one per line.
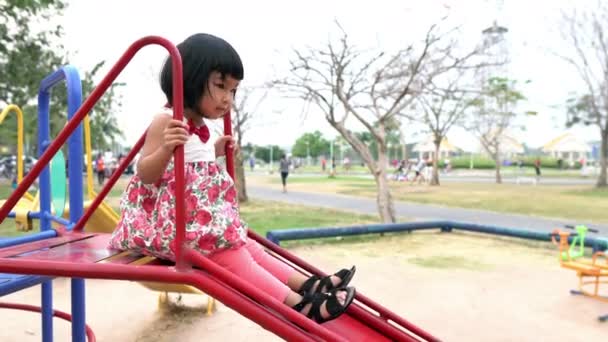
(277,268)
(280,270)
(241,263)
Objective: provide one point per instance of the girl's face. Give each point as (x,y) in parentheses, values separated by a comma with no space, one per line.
(217,100)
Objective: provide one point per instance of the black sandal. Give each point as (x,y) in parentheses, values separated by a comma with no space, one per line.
(325,284)
(333,306)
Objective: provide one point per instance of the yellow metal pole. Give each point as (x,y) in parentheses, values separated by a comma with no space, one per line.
(87,142)
(19,114)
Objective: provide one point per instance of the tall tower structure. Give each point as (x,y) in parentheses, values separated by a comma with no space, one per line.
(496,44)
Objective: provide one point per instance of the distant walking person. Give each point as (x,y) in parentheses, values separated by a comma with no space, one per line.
(251,162)
(537,169)
(418,169)
(100,168)
(284,165)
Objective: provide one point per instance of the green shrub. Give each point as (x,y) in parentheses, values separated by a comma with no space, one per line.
(464,162)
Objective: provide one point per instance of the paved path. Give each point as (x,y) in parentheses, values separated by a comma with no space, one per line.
(414,211)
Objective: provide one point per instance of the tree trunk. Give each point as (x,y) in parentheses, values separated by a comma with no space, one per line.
(240,177)
(498,175)
(435,177)
(602,181)
(384,199)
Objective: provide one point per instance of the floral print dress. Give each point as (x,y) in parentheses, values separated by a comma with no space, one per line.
(213,223)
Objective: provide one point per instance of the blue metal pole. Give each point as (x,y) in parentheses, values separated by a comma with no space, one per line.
(276,236)
(75,162)
(8,242)
(44,139)
(44,180)
(311,233)
(47,311)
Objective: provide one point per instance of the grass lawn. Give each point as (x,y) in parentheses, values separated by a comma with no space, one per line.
(507,171)
(576,202)
(261,216)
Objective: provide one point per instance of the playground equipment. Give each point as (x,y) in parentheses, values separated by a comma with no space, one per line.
(10,282)
(276,236)
(28,202)
(77,254)
(571,256)
(576,249)
(104,219)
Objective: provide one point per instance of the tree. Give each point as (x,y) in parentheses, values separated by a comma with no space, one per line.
(586,33)
(495,115)
(443,107)
(26,57)
(105,130)
(266,153)
(243,111)
(310,144)
(354,86)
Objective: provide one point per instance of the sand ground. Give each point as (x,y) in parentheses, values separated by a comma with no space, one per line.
(459,287)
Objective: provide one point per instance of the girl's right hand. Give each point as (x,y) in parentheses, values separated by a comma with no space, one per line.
(175,134)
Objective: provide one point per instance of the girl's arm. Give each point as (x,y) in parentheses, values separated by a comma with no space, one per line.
(163,135)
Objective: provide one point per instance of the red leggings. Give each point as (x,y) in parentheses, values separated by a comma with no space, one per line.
(253,264)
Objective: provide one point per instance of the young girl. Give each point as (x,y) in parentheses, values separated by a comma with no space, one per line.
(212,72)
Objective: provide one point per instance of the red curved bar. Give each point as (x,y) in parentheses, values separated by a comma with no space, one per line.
(229,151)
(56,313)
(86,107)
(79,226)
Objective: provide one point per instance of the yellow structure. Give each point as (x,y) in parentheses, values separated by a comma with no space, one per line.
(28,202)
(104,219)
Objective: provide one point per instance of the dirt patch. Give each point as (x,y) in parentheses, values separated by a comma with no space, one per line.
(459,287)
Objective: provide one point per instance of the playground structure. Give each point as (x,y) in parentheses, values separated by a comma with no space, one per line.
(70,251)
(104,219)
(28,203)
(572,256)
(276,236)
(27,208)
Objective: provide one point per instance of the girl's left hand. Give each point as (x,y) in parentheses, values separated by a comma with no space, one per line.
(221,143)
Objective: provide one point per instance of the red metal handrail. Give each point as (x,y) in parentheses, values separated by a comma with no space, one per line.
(362,314)
(79,226)
(230,297)
(60,314)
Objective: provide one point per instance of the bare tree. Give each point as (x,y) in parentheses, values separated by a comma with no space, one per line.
(587,34)
(243,108)
(444,106)
(495,116)
(354,87)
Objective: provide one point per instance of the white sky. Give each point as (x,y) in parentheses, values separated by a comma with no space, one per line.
(264,32)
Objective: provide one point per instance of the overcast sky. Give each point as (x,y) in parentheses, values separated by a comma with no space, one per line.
(264,32)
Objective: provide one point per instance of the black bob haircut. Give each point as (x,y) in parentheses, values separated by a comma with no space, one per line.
(201,54)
